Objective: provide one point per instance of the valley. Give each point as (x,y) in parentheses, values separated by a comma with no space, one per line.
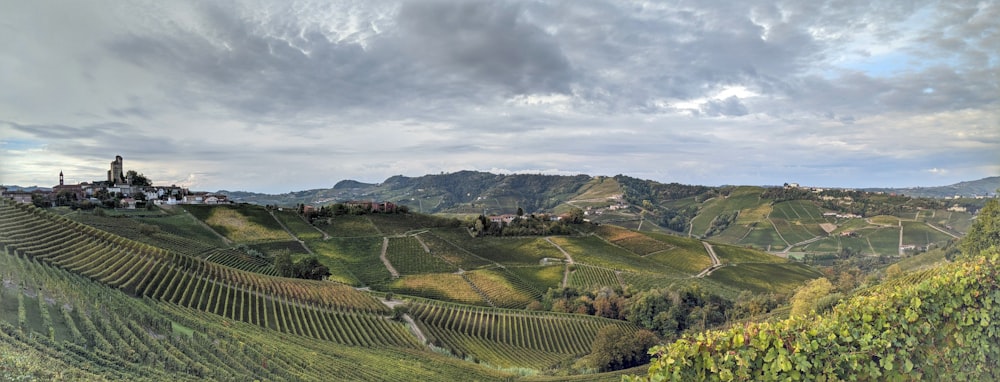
(192,283)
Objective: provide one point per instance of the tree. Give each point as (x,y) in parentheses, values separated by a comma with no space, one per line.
(804,301)
(283,264)
(985,231)
(137,179)
(613,349)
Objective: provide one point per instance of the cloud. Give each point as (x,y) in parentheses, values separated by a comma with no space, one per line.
(300,94)
(486,42)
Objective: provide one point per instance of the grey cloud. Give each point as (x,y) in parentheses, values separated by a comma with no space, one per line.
(731,107)
(484,41)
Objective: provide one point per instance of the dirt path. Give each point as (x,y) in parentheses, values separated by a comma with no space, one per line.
(283,226)
(406,317)
(385,260)
(941,230)
(804,242)
(900,234)
(210,229)
(326,236)
(716,264)
(778,232)
(568,258)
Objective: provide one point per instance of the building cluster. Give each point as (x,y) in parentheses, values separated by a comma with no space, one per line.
(118,188)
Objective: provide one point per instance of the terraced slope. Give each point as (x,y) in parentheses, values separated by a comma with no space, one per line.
(314,309)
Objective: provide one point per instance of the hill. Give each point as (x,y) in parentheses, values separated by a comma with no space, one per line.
(192,272)
(784,220)
(982,187)
(935,323)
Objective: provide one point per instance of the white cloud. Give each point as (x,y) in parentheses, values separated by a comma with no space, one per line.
(280,96)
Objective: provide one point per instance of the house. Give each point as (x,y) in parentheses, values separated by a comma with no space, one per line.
(506,218)
(128,203)
(19,196)
(195,198)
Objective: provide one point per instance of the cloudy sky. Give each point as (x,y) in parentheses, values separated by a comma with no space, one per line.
(275,96)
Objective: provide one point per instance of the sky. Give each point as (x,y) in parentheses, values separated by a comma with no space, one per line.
(279,96)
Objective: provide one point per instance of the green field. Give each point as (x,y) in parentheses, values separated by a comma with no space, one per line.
(919,234)
(479,290)
(297,225)
(741,198)
(241,224)
(798,210)
(763,277)
(353,261)
(409,257)
(540,278)
(349,226)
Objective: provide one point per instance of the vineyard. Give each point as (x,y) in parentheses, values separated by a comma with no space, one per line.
(74,328)
(467,295)
(937,324)
(410,257)
(309,308)
(549,337)
(241,224)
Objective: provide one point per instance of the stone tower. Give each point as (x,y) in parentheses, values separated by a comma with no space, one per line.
(116,175)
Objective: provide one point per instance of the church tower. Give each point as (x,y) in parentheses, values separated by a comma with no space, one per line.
(115,174)
(60,178)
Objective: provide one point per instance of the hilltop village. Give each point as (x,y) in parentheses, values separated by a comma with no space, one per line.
(121,189)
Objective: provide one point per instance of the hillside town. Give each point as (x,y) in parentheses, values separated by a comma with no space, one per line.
(121,189)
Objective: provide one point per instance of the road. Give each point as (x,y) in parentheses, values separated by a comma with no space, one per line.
(385,260)
(568,258)
(716,264)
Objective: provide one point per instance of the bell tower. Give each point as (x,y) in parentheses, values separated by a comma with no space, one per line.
(60,178)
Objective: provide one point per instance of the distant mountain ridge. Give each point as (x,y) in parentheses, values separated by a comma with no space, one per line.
(982,187)
(458,192)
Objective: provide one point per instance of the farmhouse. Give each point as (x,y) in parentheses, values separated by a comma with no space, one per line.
(506,218)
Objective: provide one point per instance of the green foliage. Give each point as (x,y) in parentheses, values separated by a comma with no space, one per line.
(985,232)
(804,300)
(940,327)
(613,349)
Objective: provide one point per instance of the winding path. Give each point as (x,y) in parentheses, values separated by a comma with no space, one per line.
(716,264)
(941,230)
(568,258)
(290,233)
(385,260)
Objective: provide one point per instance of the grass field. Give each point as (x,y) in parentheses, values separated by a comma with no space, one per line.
(452,253)
(742,198)
(919,234)
(885,241)
(244,224)
(540,277)
(353,261)
(795,231)
(731,254)
(187,226)
(764,237)
(596,252)
(349,226)
(687,255)
(409,257)
(299,227)
(886,220)
(759,277)
(503,289)
(587,277)
(503,250)
(798,210)
(440,286)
